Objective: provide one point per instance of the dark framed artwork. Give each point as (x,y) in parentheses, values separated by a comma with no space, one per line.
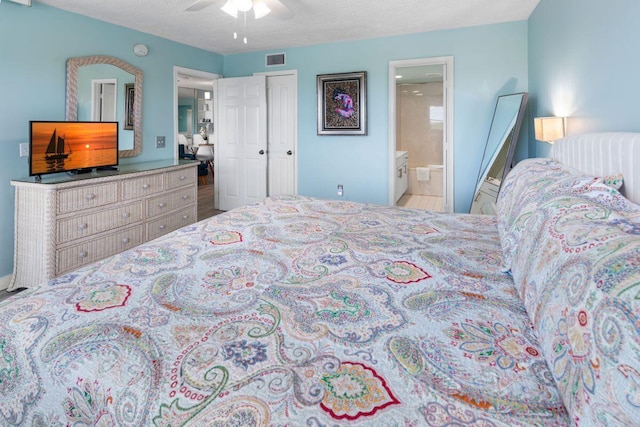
(342,103)
(129,112)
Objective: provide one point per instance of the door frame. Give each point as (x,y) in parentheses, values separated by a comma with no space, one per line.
(207,75)
(95,100)
(195,73)
(448,137)
(293,73)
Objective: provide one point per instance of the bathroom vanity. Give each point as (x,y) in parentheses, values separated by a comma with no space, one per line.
(402,174)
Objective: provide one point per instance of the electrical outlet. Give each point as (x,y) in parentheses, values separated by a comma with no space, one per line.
(160,140)
(340,190)
(24,149)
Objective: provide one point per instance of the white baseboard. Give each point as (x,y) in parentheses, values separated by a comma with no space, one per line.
(4,282)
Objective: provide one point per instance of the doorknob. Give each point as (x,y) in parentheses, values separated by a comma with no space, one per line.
(289,153)
(261,152)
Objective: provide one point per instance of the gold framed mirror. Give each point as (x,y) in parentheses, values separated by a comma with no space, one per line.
(132,106)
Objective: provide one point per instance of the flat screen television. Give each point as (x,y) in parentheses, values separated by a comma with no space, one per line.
(72,146)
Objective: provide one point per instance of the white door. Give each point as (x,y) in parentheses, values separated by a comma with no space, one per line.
(282,133)
(241,141)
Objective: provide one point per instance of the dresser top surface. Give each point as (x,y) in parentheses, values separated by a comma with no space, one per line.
(123,171)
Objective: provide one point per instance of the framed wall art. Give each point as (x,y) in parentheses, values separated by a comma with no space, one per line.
(342,103)
(129,115)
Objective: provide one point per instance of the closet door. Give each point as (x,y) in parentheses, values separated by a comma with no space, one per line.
(282,132)
(242,141)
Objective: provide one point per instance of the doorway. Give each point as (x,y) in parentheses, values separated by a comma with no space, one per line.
(421,133)
(194,107)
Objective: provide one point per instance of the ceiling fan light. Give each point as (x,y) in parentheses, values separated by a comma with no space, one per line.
(260,8)
(230,8)
(243,5)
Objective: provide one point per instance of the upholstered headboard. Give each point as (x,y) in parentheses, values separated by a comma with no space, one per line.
(605,153)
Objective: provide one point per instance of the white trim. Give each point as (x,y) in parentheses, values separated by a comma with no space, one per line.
(4,282)
(448,148)
(293,73)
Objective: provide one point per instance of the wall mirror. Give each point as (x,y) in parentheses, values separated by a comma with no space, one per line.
(497,159)
(104,88)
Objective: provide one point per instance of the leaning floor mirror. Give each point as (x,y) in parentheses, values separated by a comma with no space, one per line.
(497,160)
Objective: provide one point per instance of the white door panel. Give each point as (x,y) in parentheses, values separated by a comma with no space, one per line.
(242,134)
(282,132)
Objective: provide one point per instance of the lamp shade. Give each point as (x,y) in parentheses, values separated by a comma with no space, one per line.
(549,129)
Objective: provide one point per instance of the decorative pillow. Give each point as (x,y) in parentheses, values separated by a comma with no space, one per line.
(573,246)
(613,181)
(535,181)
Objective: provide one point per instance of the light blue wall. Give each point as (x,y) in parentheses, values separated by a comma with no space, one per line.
(584,64)
(35,43)
(488,61)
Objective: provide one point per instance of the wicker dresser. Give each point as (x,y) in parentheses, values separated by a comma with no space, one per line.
(65,222)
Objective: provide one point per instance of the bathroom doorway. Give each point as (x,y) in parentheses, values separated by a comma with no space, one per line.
(421,133)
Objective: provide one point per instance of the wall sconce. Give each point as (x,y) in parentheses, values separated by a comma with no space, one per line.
(549,129)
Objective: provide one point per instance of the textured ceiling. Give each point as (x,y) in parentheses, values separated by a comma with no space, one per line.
(312,21)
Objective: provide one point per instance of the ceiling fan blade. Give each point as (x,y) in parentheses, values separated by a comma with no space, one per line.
(199,5)
(279,9)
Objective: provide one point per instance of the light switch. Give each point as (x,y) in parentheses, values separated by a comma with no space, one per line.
(160,140)
(24,149)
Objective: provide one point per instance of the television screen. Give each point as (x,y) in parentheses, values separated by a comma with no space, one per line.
(72,146)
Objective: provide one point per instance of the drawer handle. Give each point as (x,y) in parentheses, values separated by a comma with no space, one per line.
(83,254)
(161,205)
(126,215)
(145,186)
(162,227)
(91,196)
(400,173)
(125,240)
(83,226)
(185,196)
(182,177)
(185,216)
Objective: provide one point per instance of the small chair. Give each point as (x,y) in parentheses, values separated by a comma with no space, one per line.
(205,153)
(202,167)
(198,139)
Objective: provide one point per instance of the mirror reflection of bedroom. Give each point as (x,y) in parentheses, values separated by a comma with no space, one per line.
(419,137)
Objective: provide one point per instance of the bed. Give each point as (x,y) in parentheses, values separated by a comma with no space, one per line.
(305,312)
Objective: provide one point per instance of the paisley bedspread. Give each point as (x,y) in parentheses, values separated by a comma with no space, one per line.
(294,311)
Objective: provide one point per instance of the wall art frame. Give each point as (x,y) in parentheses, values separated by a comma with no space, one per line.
(342,103)
(129,102)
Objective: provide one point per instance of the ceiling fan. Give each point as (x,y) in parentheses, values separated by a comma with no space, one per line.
(260,7)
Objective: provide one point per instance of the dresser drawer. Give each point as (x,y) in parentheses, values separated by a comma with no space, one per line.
(181,178)
(78,227)
(168,202)
(85,197)
(75,256)
(171,222)
(134,188)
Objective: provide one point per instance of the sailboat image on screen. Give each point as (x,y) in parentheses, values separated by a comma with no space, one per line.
(56,148)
